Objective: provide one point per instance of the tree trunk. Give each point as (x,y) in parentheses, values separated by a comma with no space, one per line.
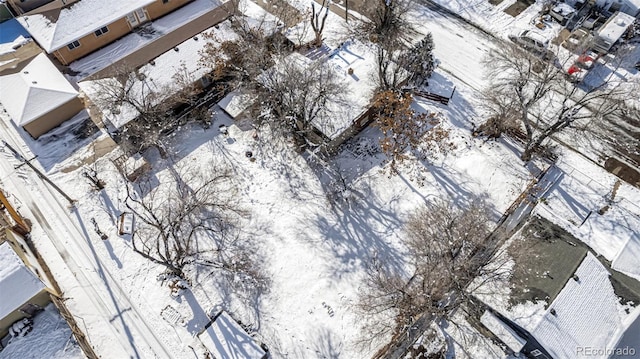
(527,154)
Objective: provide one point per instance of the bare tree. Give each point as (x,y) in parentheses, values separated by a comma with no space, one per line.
(149,107)
(447,248)
(405,132)
(239,61)
(295,93)
(317,23)
(536,96)
(189,220)
(388,26)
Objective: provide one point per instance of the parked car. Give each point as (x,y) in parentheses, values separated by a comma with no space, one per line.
(534,42)
(562,13)
(582,65)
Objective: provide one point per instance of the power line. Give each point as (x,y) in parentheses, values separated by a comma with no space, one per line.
(37,171)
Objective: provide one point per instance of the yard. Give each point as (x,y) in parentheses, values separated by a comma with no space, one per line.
(313,245)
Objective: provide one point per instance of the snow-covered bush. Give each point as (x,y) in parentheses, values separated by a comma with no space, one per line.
(21,328)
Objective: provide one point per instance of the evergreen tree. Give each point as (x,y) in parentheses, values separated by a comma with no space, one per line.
(419,62)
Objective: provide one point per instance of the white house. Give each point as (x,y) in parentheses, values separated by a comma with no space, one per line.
(37,96)
(21,292)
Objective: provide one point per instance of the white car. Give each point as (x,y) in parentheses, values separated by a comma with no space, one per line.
(533,42)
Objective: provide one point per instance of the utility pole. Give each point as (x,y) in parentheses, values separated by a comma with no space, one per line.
(21,226)
(37,171)
(346,10)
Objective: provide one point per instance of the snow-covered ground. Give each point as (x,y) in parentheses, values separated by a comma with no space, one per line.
(574,203)
(314,252)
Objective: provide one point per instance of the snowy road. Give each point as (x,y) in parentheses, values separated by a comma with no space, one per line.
(459,46)
(93,296)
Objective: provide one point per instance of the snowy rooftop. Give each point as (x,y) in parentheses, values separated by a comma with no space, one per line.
(57,28)
(506,334)
(17,282)
(161,76)
(225,338)
(235,103)
(615,27)
(360,86)
(586,314)
(35,90)
(563,9)
(134,41)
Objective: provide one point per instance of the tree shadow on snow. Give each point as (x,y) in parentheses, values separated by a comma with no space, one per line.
(327,345)
(359,230)
(103,276)
(200,318)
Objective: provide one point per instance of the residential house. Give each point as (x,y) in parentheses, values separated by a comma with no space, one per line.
(71,29)
(40,98)
(585,320)
(223,337)
(630,7)
(584,315)
(354,66)
(163,77)
(612,31)
(23,6)
(22,294)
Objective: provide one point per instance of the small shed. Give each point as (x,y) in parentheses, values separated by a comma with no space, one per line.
(224,338)
(21,292)
(508,336)
(236,103)
(40,98)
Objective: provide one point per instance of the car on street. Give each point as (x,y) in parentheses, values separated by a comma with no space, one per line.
(533,42)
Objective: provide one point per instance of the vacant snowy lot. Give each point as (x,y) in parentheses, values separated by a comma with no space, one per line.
(314,249)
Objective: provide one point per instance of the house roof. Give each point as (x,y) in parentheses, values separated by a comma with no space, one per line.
(34,90)
(18,284)
(339,115)
(225,338)
(360,86)
(586,314)
(160,77)
(58,27)
(236,102)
